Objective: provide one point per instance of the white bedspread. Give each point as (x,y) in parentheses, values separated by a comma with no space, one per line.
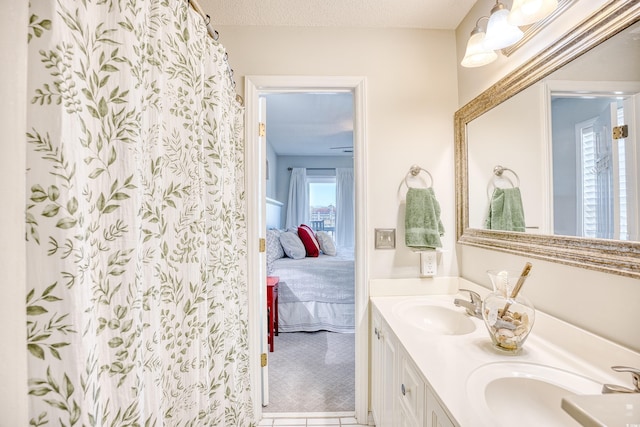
(316,293)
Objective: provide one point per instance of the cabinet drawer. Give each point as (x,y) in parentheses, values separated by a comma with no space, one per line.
(412,389)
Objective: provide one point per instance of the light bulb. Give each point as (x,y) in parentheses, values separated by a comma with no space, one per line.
(525,12)
(500,33)
(476,55)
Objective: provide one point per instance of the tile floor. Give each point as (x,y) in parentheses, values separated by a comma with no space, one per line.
(337,419)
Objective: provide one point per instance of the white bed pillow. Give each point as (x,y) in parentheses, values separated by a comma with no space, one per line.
(274,248)
(326,243)
(292,245)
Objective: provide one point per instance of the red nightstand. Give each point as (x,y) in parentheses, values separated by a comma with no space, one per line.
(272,308)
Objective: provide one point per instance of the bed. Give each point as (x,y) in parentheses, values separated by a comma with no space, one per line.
(316,293)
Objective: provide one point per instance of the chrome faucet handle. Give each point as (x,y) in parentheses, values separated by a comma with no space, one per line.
(635,375)
(473,307)
(613,388)
(476,299)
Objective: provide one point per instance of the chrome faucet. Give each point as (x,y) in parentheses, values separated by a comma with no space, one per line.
(635,375)
(474,307)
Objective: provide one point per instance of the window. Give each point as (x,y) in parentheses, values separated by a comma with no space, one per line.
(322,201)
(588,219)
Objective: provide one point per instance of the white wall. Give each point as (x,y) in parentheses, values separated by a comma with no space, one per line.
(605,304)
(13,81)
(411,97)
(272,181)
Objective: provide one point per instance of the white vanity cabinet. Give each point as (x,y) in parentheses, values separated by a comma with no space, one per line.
(383,365)
(399,394)
(448,378)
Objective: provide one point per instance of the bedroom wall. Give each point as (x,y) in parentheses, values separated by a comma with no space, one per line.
(272,181)
(605,304)
(411,97)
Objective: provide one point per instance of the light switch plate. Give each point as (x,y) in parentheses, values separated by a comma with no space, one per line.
(385,238)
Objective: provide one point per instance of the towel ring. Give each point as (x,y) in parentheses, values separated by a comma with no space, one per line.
(499,170)
(415,171)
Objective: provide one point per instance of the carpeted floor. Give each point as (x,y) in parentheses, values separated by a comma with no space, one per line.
(312,372)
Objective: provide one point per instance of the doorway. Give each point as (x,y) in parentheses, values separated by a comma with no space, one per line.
(255,86)
(309,145)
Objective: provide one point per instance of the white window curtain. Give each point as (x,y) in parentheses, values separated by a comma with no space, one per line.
(345,208)
(136,253)
(298,202)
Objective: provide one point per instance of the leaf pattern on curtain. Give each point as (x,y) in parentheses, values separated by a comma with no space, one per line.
(136,228)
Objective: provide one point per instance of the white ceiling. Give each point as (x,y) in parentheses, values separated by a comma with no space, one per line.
(430,14)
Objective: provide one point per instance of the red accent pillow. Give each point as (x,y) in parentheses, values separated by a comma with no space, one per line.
(309,240)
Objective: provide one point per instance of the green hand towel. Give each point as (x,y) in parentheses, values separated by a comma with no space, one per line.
(505,210)
(423,227)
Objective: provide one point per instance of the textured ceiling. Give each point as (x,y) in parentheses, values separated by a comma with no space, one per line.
(430,14)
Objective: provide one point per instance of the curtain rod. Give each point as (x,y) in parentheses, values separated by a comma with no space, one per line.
(214,35)
(207,19)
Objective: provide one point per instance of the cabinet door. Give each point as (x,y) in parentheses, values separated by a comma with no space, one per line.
(405,419)
(376,368)
(436,415)
(388,362)
(383,376)
(411,390)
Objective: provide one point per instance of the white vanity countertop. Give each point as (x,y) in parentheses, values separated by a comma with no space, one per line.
(446,361)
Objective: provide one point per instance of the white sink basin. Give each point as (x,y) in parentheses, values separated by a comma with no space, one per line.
(525,394)
(434,317)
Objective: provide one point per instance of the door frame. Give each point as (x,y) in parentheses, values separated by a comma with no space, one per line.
(255,160)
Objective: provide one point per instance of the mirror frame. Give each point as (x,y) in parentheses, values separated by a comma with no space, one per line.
(609,256)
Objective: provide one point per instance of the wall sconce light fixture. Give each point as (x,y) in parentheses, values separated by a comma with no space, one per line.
(476,54)
(503,29)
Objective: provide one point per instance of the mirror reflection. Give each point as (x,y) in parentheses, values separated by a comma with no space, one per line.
(595,165)
(569,149)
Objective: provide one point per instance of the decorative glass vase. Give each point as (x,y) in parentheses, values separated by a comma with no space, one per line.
(508,329)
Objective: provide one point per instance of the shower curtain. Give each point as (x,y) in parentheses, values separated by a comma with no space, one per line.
(136,234)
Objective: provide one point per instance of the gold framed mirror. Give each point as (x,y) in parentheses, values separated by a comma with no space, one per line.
(611,256)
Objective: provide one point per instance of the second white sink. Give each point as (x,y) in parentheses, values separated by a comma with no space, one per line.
(525,394)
